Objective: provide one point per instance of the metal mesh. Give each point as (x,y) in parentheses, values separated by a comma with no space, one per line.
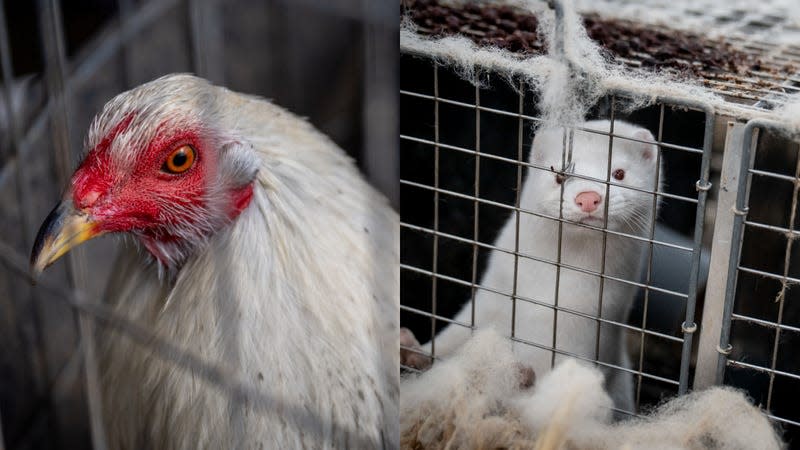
(46,402)
(464,156)
(714,46)
(749,321)
(762,318)
(768,33)
(774,21)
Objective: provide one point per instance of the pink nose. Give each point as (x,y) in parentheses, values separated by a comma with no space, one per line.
(588,200)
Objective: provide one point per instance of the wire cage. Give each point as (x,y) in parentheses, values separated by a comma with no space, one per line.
(760,315)
(706,310)
(477,190)
(61,61)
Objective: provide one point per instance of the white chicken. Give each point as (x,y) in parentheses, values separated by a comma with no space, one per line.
(266,253)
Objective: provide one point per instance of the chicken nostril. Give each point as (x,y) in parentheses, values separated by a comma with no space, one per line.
(588,200)
(91,197)
(86,199)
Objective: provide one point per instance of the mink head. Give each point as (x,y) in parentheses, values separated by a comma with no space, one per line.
(582,186)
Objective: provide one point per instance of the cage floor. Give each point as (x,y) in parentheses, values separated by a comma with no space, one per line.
(753,73)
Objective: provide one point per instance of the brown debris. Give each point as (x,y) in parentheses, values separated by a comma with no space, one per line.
(634,44)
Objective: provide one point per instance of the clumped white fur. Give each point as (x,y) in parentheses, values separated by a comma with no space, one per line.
(474,402)
(582,249)
(461,402)
(298,296)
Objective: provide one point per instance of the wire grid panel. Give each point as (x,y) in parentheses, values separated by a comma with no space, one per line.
(772,21)
(769,33)
(464,159)
(762,308)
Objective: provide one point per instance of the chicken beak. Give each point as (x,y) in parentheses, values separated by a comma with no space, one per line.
(64,228)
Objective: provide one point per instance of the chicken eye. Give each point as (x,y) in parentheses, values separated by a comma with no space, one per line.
(180,160)
(619,174)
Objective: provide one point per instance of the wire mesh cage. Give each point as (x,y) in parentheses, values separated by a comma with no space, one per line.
(477,190)
(61,62)
(470,116)
(761,272)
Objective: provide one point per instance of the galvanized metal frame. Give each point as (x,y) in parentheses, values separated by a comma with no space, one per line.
(435,261)
(713,316)
(740,211)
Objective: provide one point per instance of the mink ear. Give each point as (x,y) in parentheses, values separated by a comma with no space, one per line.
(545,142)
(648,150)
(536,153)
(535,156)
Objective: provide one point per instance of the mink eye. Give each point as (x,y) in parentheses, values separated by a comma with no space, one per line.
(180,160)
(619,174)
(559,177)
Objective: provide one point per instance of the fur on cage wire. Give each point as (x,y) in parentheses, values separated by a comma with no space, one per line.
(570,83)
(659,13)
(789,116)
(474,401)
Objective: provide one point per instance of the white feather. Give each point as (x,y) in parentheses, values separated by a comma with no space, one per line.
(298,297)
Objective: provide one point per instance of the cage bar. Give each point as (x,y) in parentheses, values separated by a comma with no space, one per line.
(753,132)
(711,327)
(55,74)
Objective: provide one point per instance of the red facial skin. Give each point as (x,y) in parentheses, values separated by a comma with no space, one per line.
(145,199)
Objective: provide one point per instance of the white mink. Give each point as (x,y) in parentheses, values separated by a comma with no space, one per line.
(629,211)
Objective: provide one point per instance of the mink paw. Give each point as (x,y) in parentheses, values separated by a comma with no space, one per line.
(411,355)
(527,377)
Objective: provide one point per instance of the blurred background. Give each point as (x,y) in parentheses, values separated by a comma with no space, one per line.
(334,62)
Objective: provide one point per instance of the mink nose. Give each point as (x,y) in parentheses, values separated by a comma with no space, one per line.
(588,201)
